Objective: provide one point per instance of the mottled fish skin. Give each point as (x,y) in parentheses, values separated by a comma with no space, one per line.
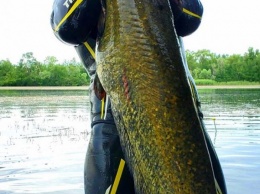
(140,65)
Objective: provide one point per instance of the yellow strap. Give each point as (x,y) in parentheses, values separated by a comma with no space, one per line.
(191,13)
(75,5)
(118,176)
(90,49)
(102,108)
(218,190)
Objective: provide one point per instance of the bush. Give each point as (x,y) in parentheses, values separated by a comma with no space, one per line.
(205,82)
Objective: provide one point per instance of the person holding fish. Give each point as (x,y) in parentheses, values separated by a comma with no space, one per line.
(81,23)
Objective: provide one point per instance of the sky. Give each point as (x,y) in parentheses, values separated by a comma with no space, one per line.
(228,27)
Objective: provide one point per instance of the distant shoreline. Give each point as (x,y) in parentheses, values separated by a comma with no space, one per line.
(87,87)
(229,87)
(44,88)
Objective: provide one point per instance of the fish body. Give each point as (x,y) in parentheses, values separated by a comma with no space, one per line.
(141,67)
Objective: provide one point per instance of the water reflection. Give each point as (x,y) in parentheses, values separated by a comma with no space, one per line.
(43,141)
(236,135)
(44,134)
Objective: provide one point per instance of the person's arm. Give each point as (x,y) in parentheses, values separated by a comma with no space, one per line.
(73,23)
(187,16)
(86,53)
(76,24)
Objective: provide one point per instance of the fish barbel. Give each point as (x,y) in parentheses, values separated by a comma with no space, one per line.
(141,67)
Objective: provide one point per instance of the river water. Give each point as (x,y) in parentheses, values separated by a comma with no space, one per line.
(44,135)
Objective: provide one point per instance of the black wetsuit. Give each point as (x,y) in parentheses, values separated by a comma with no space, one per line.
(78,24)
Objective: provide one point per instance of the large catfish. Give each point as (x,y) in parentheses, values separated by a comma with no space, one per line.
(141,67)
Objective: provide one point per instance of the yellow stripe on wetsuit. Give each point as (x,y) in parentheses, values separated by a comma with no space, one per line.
(191,13)
(90,49)
(75,5)
(118,176)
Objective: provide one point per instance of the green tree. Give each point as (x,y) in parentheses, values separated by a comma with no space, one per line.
(7,73)
(50,60)
(28,70)
(203,64)
(205,74)
(196,73)
(252,65)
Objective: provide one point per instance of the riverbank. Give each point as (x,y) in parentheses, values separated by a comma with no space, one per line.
(228,87)
(45,88)
(86,87)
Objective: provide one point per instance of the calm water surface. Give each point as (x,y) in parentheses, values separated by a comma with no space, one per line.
(44,135)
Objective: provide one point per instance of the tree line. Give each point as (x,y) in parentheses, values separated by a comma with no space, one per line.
(203,64)
(30,72)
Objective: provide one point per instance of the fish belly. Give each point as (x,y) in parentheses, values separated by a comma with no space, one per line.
(140,65)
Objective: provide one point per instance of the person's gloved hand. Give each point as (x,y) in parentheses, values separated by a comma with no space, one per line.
(74,22)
